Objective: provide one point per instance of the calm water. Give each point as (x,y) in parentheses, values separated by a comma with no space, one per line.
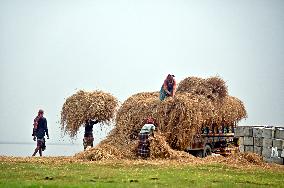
(25,150)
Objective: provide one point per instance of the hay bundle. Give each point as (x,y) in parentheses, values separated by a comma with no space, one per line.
(217,87)
(101,152)
(83,105)
(231,110)
(194,85)
(182,117)
(131,115)
(212,88)
(160,149)
(125,146)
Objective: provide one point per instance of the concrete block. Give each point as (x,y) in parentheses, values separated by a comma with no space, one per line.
(280,153)
(267,142)
(276,160)
(248,141)
(271,152)
(258,142)
(279,133)
(266,152)
(257,132)
(268,133)
(249,149)
(241,140)
(277,143)
(239,131)
(257,150)
(248,131)
(242,148)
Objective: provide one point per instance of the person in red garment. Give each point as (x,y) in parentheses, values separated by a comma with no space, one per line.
(168,88)
(39,131)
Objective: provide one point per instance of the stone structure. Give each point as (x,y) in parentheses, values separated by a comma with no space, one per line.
(267,141)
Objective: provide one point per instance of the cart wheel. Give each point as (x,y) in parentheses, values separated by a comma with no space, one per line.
(207,151)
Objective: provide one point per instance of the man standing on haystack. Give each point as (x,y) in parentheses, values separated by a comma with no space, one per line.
(144,142)
(168,88)
(88,136)
(39,131)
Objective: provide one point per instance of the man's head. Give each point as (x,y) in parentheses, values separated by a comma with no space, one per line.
(150,120)
(40,112)
(170,77)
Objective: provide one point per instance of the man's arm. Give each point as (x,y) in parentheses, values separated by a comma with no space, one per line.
(165,86)
(46,129)
(152,130)
(94,122)
(174,88)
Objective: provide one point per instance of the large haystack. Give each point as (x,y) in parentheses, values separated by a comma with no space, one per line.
(83,105)
(198,102)
(178,118)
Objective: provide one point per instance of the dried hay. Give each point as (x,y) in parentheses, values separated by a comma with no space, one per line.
(212,88)
(179,118)
(172,115)
(100,152)
(252,158)
(160,149)
(231,110)
(131,115)
(83,105)
(238,160)
(217,87)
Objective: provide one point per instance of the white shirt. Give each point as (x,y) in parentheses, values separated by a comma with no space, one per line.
(148,128)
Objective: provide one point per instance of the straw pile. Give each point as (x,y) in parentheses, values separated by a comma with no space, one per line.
(101,152)
(212,88)
(161,149)
(241,161)
(83,105)
(197,103)
(238,159)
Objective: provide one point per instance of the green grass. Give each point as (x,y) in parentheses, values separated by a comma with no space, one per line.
(119,174)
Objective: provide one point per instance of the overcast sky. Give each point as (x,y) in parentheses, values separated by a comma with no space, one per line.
(50,48)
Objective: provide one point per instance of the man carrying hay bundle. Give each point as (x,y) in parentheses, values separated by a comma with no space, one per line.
(85,109)
(39,131)
(144,142)
(88,135)
(168,88)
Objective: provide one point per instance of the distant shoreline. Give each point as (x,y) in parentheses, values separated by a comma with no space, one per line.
(32,143)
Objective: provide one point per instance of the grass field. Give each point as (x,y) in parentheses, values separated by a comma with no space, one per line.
(67,173)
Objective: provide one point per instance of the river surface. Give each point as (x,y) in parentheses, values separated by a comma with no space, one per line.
(27,149)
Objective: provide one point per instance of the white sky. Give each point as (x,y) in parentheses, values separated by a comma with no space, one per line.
(50,48)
